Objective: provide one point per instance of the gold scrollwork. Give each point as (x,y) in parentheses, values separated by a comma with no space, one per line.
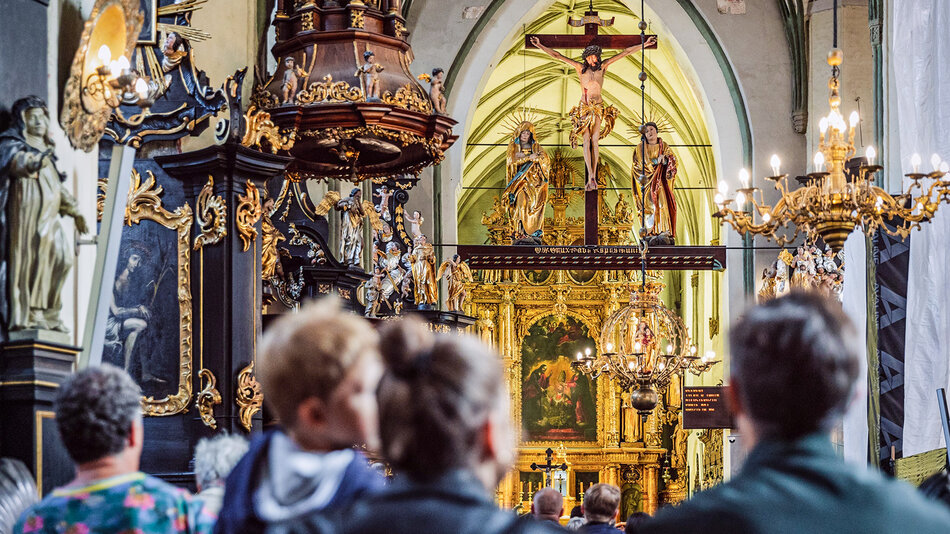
(249,396)
(207,399)
(261,128)
(407,97)
(212,216)
(314,252)
(101,185)
(145,204)
(330,91)
(261,98)
(248,213)
(306,21)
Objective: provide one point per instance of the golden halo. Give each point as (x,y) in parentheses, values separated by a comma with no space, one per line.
(543,125)
(654,115)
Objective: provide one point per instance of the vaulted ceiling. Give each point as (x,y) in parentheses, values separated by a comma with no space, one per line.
(529,78)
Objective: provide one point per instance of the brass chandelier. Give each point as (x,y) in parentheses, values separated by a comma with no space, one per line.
(643,345)
(833,202)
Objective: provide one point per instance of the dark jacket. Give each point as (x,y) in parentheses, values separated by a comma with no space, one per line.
(803,486)
(457,503)
(238,514)
(598,528)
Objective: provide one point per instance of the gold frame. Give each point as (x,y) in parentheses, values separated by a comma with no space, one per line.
(145,204)
(154,19)
(84,128)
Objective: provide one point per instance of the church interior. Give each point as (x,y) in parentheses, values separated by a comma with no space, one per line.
(596,189)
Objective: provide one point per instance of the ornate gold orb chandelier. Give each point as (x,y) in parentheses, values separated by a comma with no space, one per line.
(643,345)
(833,202)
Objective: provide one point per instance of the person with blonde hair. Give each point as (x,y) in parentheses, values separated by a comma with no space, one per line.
(319,369)
(446,433)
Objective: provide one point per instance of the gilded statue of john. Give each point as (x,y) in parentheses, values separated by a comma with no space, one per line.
(528,168)
(591,118)
(39,255)
(654,172)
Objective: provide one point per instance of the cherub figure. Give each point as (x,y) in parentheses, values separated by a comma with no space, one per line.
(437,90)
(292,73)
(384,195)
(415,224)
(174,49)
(369,74)
(457,273)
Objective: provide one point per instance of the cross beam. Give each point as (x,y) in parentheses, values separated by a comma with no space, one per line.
(548,467)
(600,258)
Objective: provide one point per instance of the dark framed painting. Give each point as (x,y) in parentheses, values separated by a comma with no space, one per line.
(149,33)
(557,402)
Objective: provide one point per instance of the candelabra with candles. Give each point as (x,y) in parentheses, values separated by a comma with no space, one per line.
(633,340)
(833,202)
(115,83)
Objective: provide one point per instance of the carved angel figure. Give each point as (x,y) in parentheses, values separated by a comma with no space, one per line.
(369,75)
(457,273)
(353,209)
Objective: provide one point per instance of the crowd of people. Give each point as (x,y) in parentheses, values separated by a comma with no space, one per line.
(436,409)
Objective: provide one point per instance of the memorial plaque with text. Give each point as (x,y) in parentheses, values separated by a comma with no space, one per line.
(706,407)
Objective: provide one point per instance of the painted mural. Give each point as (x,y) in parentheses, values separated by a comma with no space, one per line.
(557,402)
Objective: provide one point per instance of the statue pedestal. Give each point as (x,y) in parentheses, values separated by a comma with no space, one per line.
(444,321)
(31,371)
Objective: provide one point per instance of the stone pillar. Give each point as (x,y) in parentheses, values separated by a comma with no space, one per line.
(226,279)
(31,372)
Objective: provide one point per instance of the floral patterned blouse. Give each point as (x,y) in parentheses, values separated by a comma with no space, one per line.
(126,504)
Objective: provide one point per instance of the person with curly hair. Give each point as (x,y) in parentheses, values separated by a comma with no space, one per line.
(99,416)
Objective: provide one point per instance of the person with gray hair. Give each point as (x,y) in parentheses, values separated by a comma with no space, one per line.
(214,459)
(548,505)
(99,416)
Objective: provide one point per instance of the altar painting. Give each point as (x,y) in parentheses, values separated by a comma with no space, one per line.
(557,402)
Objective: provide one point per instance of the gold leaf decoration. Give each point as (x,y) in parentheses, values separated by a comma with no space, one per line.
(330,91)
(248,213)
(207,399)
(212,216)
(406,97)
(261,98)
(101,185)
(249,396)
(145,204)
(259,128)
(356,18)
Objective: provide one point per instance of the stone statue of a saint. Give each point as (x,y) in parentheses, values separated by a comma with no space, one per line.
(654,170)
(39,255)
(351,231)
(528,168)
(425,287)
(457,273)
(369,75)
(591,118)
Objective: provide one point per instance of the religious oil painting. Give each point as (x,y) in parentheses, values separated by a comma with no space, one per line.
(557,402)
(149,23)
(148,329)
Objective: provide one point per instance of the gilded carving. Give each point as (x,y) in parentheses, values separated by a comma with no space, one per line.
(260,128)
(207,399)
(261,98)
(248,213)
(712,457)
(101,185)
(406,97)
(145,204)
(84,127)
(212,216)
(306,21)
(249,397)
(433,146)
(356,18)
(330,91)
(314,252)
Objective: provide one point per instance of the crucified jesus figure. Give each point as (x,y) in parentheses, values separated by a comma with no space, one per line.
(591,119)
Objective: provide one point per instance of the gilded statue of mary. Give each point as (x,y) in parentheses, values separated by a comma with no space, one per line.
(528,167)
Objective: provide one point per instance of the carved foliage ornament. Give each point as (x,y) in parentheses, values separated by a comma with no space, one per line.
(249,396)
(330,91)
(259,128)
(115,23)
(407,98)
(207,399)
(212,216)
(248,213)
(145,204)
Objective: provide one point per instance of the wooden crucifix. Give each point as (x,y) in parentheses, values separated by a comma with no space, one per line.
(548,467)
(591,119)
